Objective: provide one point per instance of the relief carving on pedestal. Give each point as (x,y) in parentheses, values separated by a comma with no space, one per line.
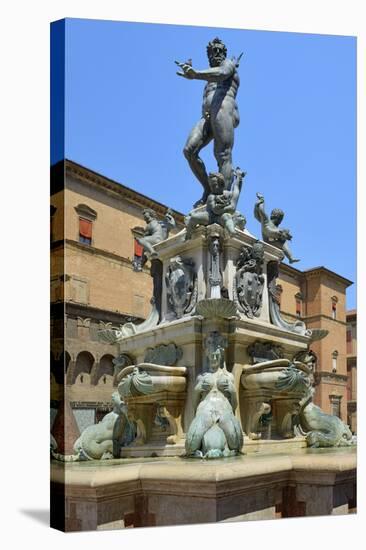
(181,284)
(249,280)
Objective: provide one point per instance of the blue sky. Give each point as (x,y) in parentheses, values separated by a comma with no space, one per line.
(128,116)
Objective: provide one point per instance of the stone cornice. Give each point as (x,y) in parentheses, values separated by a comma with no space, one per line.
(117,189)
(75,310)
(312,317)
(321,270)
(289,270)
(322,316)
(100,406)
(351,315)
(60,310)
(89,249)
(84,211)
(312,272)
(330,377)
(170,478)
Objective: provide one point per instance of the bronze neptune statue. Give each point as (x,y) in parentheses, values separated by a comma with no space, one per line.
(220,114)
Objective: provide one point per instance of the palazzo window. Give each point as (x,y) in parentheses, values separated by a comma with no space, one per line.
(334,361)
(299,299)
(335,405)
(87,216)
(349,340)
(85,231)
(138,250)
(334,307)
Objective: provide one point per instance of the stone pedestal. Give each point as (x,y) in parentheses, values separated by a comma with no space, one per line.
(135,493)
(197,250)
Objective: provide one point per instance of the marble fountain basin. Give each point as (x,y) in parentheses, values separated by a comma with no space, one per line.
(278,374)
(160,378)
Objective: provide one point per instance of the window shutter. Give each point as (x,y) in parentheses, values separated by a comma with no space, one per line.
(139,249)
(85,228)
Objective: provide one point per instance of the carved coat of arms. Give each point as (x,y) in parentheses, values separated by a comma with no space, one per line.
(181,288)
(249,280)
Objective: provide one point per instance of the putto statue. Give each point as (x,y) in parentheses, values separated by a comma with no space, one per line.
(220,114)
(155,232)
(271,233)
(215,431)
(220,207)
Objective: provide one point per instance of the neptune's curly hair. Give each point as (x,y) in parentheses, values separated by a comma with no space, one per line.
(216,42)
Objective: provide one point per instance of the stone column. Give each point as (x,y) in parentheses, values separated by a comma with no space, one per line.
(94,373)
(70,372)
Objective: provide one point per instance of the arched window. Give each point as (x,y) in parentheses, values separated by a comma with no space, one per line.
(106,369)
(84,364)
(334,300)
(335,405)
(334,360)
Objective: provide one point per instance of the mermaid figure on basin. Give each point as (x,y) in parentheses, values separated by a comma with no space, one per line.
(214,432)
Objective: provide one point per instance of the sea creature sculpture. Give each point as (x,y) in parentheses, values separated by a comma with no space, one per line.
(322,429)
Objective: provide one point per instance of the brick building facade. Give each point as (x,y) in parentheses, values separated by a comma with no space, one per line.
(351,351)
(318,297)
(92,282)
